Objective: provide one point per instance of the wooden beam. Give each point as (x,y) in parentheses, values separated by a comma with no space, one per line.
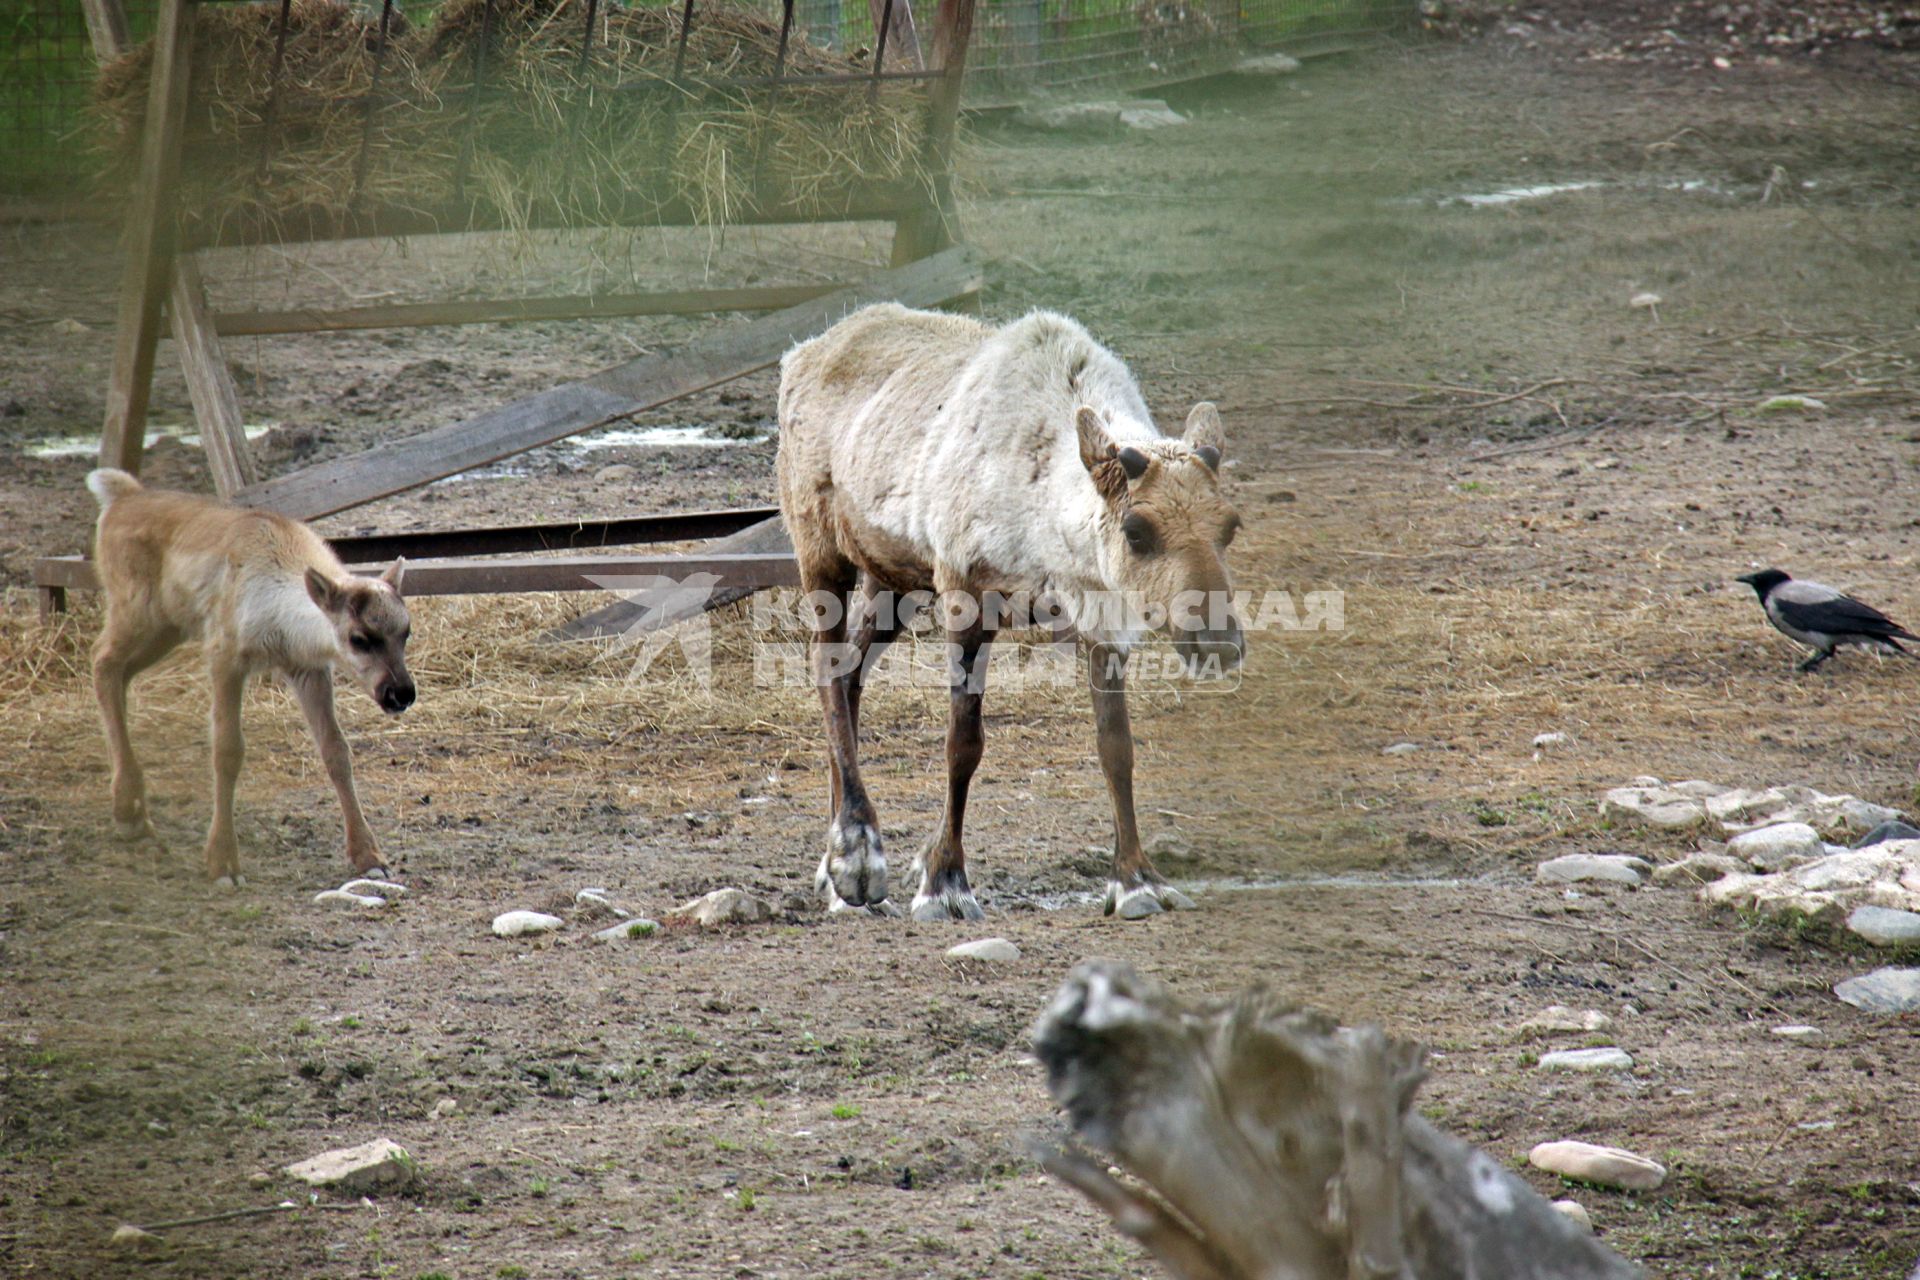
(151,226)
(407,315)
(216,402)
(569,535)
(107,25)
(932,225)
(521,574)
(769,537)
(571,408)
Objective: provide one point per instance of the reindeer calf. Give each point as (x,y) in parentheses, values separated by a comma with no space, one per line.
(261,592)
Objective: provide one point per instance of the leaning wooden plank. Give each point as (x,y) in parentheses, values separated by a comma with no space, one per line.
(151,228)
(216,403)
(408,315)
(107,25)
(637,385)
(626,615)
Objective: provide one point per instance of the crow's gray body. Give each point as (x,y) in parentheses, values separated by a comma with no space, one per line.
(1822,618)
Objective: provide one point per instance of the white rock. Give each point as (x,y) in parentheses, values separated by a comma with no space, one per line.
(1790,404)
(1655,806)
(1769,848)
(1884,927)
(1098,117)
(628,929)
(1799,1033)
(1699,789)
(1602,1166)
(1608,1059)
(1616,868)
(131,1239)
(1645,301)
(596,902)
(614,472)
(1541,741)
(1150,115)
(1888,990)
(722,906)
(342,898)
(379,1163)
(1575,1210)
(992,949)
(512,924)
(1558,1019)
(444,1108)
(70,326)
(1400,749)
(1267,64)
(1743,805)
(1698,868)
(375,888)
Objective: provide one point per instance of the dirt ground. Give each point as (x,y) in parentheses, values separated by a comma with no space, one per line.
(1532,494)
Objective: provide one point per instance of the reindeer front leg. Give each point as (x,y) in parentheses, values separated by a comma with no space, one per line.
(314,689)
(229,750)
(944,893)
(1136,890)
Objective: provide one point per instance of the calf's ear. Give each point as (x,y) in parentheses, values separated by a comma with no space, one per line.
(1096,446)
(1205,432)
(324,591)
(395,573)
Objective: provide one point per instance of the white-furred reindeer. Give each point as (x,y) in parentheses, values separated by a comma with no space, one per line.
(923,451)
(262,592)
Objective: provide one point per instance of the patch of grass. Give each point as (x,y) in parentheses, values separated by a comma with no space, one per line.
(747,1198)
(845,1111)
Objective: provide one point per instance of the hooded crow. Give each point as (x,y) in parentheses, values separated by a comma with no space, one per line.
(1821,618)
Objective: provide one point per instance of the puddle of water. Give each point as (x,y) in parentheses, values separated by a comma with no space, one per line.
(571,454)
(1513,195)
(80,446)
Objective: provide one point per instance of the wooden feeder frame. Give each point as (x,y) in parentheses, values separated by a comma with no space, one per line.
(162,277)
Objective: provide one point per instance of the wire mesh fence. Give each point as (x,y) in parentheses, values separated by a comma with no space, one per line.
(47,59)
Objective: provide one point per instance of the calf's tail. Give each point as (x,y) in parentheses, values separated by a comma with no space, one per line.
(110,483)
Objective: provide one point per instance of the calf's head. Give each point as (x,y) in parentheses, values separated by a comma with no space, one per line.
(1167,528)
(371,622)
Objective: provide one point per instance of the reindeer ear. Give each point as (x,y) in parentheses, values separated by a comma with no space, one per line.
(395,573)
(1096,446)
(1205,432)
(324,590)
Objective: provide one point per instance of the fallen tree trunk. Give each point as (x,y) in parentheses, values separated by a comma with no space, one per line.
(1275,1144)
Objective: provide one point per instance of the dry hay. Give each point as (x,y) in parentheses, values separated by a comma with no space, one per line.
(548,138)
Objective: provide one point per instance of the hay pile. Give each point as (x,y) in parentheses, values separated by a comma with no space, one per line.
(545,140)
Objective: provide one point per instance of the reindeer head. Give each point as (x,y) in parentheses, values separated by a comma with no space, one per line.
(1166,529)
(371,624)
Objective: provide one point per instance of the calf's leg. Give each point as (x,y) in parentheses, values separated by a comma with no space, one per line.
(944,893)
(119,655)
(314,689)
(1136,890)
(229,750)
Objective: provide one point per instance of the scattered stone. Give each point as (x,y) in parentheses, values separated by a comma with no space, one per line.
(259,1178)
(132,1239)
(594,902)
(1541,741)
(1778,846)
(1884,926)
(613,473)
(1098,117)
(1400,749)
(444,1108)
(380,1163)
(722,906)
(1888,990)
(1826,889)
(1171,845)
(1267,64)
(1791,404)
(512,924)
(375,888)
(1557,1019)
(1615,868)
(1698,868)
(1575,1210)
(1659,806)
(1895,830)
(628,929)
(1608,1059)
(990,949)
(69,327)
(1742,805)
(1700,789)
(1602,1166)
(1799,1033)
(1646,302)
(344,898)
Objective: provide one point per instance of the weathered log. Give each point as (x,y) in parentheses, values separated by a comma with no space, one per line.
(1274,1144)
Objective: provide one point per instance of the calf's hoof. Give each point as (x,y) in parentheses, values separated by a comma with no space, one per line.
(230,882)
(1148,898)
(853,871)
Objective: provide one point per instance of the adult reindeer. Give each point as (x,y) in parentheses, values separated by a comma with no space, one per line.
(928,452)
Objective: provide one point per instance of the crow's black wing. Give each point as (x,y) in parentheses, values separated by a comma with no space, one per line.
(1840,616)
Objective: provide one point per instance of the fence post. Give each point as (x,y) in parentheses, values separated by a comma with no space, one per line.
(821,20)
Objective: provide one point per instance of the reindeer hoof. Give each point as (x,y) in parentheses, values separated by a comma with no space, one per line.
(230,882)
(1143,900)
(887,908)
(854,869)
(948,899)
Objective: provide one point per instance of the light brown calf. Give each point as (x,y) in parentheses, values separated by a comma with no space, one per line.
(261,592)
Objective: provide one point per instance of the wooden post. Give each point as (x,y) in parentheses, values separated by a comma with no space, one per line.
(903,37)
(933,227)
(216,402)
(150,236)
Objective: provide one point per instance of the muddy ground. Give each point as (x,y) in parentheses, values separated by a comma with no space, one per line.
(1532,494)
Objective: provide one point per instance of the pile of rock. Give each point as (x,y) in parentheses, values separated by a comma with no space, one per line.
(1733,811)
